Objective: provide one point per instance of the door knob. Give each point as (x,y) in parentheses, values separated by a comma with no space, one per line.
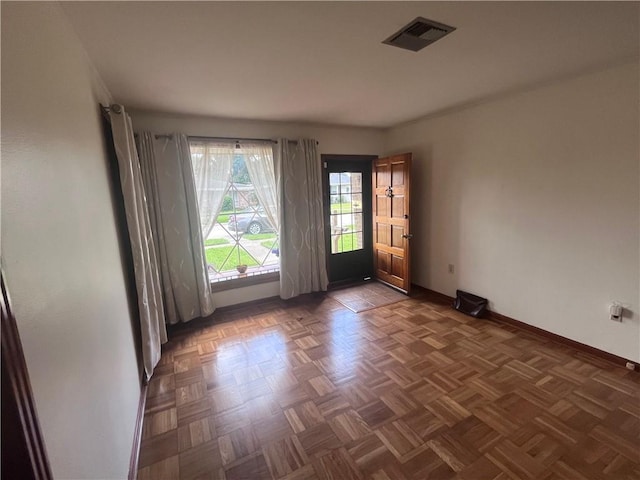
(408,236)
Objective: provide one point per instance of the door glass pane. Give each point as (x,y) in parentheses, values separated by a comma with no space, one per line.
(336,243)
(345,206)
(347,242)
(346,216)
(356,182)
(334,179)
(356,225)
(335,203)
(336,224)
(344,180)
(356,202)
(358,241)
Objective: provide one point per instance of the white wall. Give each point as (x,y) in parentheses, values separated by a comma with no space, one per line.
(333,140)
(60,249)
(534,198)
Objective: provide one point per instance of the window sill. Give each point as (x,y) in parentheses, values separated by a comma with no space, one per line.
(244,281)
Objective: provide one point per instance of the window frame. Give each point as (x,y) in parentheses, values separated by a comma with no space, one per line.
(238,280)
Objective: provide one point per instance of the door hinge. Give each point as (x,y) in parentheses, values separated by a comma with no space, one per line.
(325,164)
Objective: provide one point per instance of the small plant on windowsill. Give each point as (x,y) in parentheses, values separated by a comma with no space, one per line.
(241,268)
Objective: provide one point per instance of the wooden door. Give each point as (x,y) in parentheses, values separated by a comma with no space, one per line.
(391,220)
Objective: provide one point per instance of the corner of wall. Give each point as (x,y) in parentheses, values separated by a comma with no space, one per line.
(514,194)
(60,249)
(98,86)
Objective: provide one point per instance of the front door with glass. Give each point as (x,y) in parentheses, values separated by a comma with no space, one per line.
(348,226)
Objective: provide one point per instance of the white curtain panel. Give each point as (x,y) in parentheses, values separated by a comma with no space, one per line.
(150,304)
(167,169)
(302,245)
(259,162)
(212,175)
(149,176)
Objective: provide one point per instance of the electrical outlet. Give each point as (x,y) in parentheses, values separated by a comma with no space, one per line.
(615,312)
(451,268)
(630,366)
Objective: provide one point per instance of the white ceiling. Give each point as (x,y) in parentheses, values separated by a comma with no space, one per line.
(323,62)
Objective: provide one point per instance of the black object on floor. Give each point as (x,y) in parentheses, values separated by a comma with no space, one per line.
(470,304)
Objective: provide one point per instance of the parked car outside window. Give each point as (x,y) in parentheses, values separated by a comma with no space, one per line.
(253,222)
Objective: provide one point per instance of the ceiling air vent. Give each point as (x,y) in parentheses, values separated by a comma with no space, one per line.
(418,34)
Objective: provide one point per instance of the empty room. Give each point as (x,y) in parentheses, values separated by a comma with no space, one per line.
(320,240)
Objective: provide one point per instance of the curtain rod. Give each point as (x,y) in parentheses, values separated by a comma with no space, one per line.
(231,139)
(234,139)
(106,109)
(105,112)
(240,139)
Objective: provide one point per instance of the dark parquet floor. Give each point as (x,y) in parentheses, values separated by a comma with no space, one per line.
(307,389)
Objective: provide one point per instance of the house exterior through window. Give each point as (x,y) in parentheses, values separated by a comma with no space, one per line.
(235,186)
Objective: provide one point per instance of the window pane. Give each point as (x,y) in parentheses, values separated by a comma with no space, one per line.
(336,224)
(357,202)
(336,243)
(243,240)
(358,245)
(347,222)
(335,203)
(356,182)
(357,219)
(334,179)
(345,206)
(345,184)
(346,215)
(347,242)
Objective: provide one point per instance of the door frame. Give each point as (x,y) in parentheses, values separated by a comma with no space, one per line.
(24,454)
(324,158)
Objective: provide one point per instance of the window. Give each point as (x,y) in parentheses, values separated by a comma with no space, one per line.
(235,186)
(345,190)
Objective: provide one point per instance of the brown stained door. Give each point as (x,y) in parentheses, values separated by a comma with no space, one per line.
(391,232)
